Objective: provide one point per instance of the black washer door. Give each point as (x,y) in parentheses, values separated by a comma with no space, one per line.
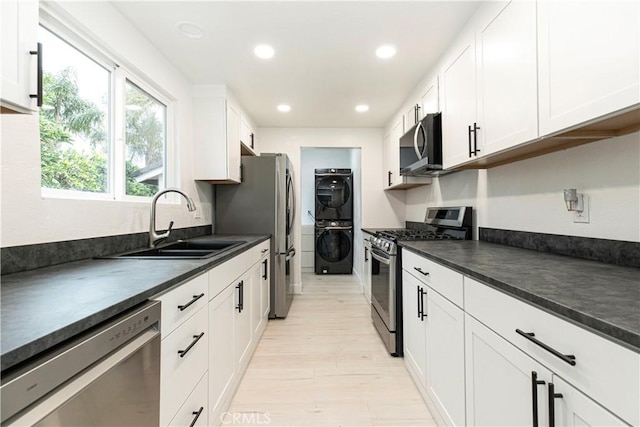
(333,245)
(333,191)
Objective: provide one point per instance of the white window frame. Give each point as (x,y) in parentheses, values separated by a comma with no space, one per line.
(119,74)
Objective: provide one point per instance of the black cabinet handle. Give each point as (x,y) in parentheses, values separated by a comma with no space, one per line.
(389,178)
(366,254)
(183,353)
(475,138)
(240,288)
(419,300)
(423,313)
(535,382)
(569,358)
(264,251)
(195,298)
(197,415)
(264,274)
(252,135)
(419,270)
(38,94)
(469,137)
(552,404)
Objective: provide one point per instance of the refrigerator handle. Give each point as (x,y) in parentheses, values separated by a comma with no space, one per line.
(290,254)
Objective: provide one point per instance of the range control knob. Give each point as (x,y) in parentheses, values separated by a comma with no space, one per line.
(387,246)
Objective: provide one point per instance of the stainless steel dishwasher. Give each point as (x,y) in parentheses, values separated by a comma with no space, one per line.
(110,376)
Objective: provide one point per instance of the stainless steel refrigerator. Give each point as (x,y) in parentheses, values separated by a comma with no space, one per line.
(264,203)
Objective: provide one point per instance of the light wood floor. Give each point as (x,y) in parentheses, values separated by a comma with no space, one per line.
(325,365)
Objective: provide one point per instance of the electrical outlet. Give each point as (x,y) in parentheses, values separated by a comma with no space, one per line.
(582,216)
(198,212)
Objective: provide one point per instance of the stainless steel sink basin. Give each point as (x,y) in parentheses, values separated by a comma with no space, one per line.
(182,249)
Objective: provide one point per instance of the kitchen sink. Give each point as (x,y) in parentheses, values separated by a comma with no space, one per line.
(182,249)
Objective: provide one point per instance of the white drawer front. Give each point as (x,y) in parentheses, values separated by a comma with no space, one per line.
(182,302)
(195,406)
(442,279)
(179,373)
(609,373)
(260,250)
(226,273)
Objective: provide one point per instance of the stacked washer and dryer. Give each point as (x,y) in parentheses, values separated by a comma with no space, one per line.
(334,221)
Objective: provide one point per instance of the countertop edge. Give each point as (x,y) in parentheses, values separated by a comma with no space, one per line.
(41,344)
(607,330)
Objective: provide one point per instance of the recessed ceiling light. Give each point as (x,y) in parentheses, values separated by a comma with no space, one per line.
(264,51)
(385,51)
(284,108)
(191,30)
(362,108)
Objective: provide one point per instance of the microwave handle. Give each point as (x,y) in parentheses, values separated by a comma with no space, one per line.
(415,140)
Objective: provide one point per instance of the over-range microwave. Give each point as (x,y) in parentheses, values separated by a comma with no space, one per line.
(421,148)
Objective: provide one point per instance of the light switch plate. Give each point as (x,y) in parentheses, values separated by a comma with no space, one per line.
(583,216)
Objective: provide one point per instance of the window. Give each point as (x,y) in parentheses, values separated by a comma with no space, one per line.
(88,101)
(145,137)
(74,119)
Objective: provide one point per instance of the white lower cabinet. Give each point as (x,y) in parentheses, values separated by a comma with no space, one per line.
(221,356)
(445,357)
(573,409)
(499,381)
(414,327)
(242,319)
(183,362)
(433,332)
(238,314)
(193,412)
(483,358)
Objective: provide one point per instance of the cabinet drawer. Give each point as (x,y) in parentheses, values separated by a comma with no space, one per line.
(180,372)
(182,302)
(227,273)
(442,279)
(609,373)
(260,250)
(195,408)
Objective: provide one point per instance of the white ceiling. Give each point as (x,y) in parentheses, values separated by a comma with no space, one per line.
(325,61)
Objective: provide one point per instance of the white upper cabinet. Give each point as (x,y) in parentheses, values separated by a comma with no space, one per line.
(219,129)
(391,155)
(247,136)
(589,56)
(489,87)
(459,111)
(19,37)
(429,100)
(507,75)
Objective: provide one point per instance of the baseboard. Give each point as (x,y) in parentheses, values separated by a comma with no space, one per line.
(297,288)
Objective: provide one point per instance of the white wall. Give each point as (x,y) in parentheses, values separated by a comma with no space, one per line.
(29,218)
(379,208)
(527,195)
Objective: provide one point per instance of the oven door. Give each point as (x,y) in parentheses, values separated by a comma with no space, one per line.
(383,287)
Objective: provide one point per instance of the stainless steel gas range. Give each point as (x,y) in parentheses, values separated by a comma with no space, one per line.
(386,266)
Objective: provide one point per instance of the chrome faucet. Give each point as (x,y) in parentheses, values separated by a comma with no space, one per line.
(154,237)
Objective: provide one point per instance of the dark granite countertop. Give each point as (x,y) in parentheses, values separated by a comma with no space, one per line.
(44,307)
(603,297)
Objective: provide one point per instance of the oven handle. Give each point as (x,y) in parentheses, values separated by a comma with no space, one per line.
(338,228)
(377,257)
